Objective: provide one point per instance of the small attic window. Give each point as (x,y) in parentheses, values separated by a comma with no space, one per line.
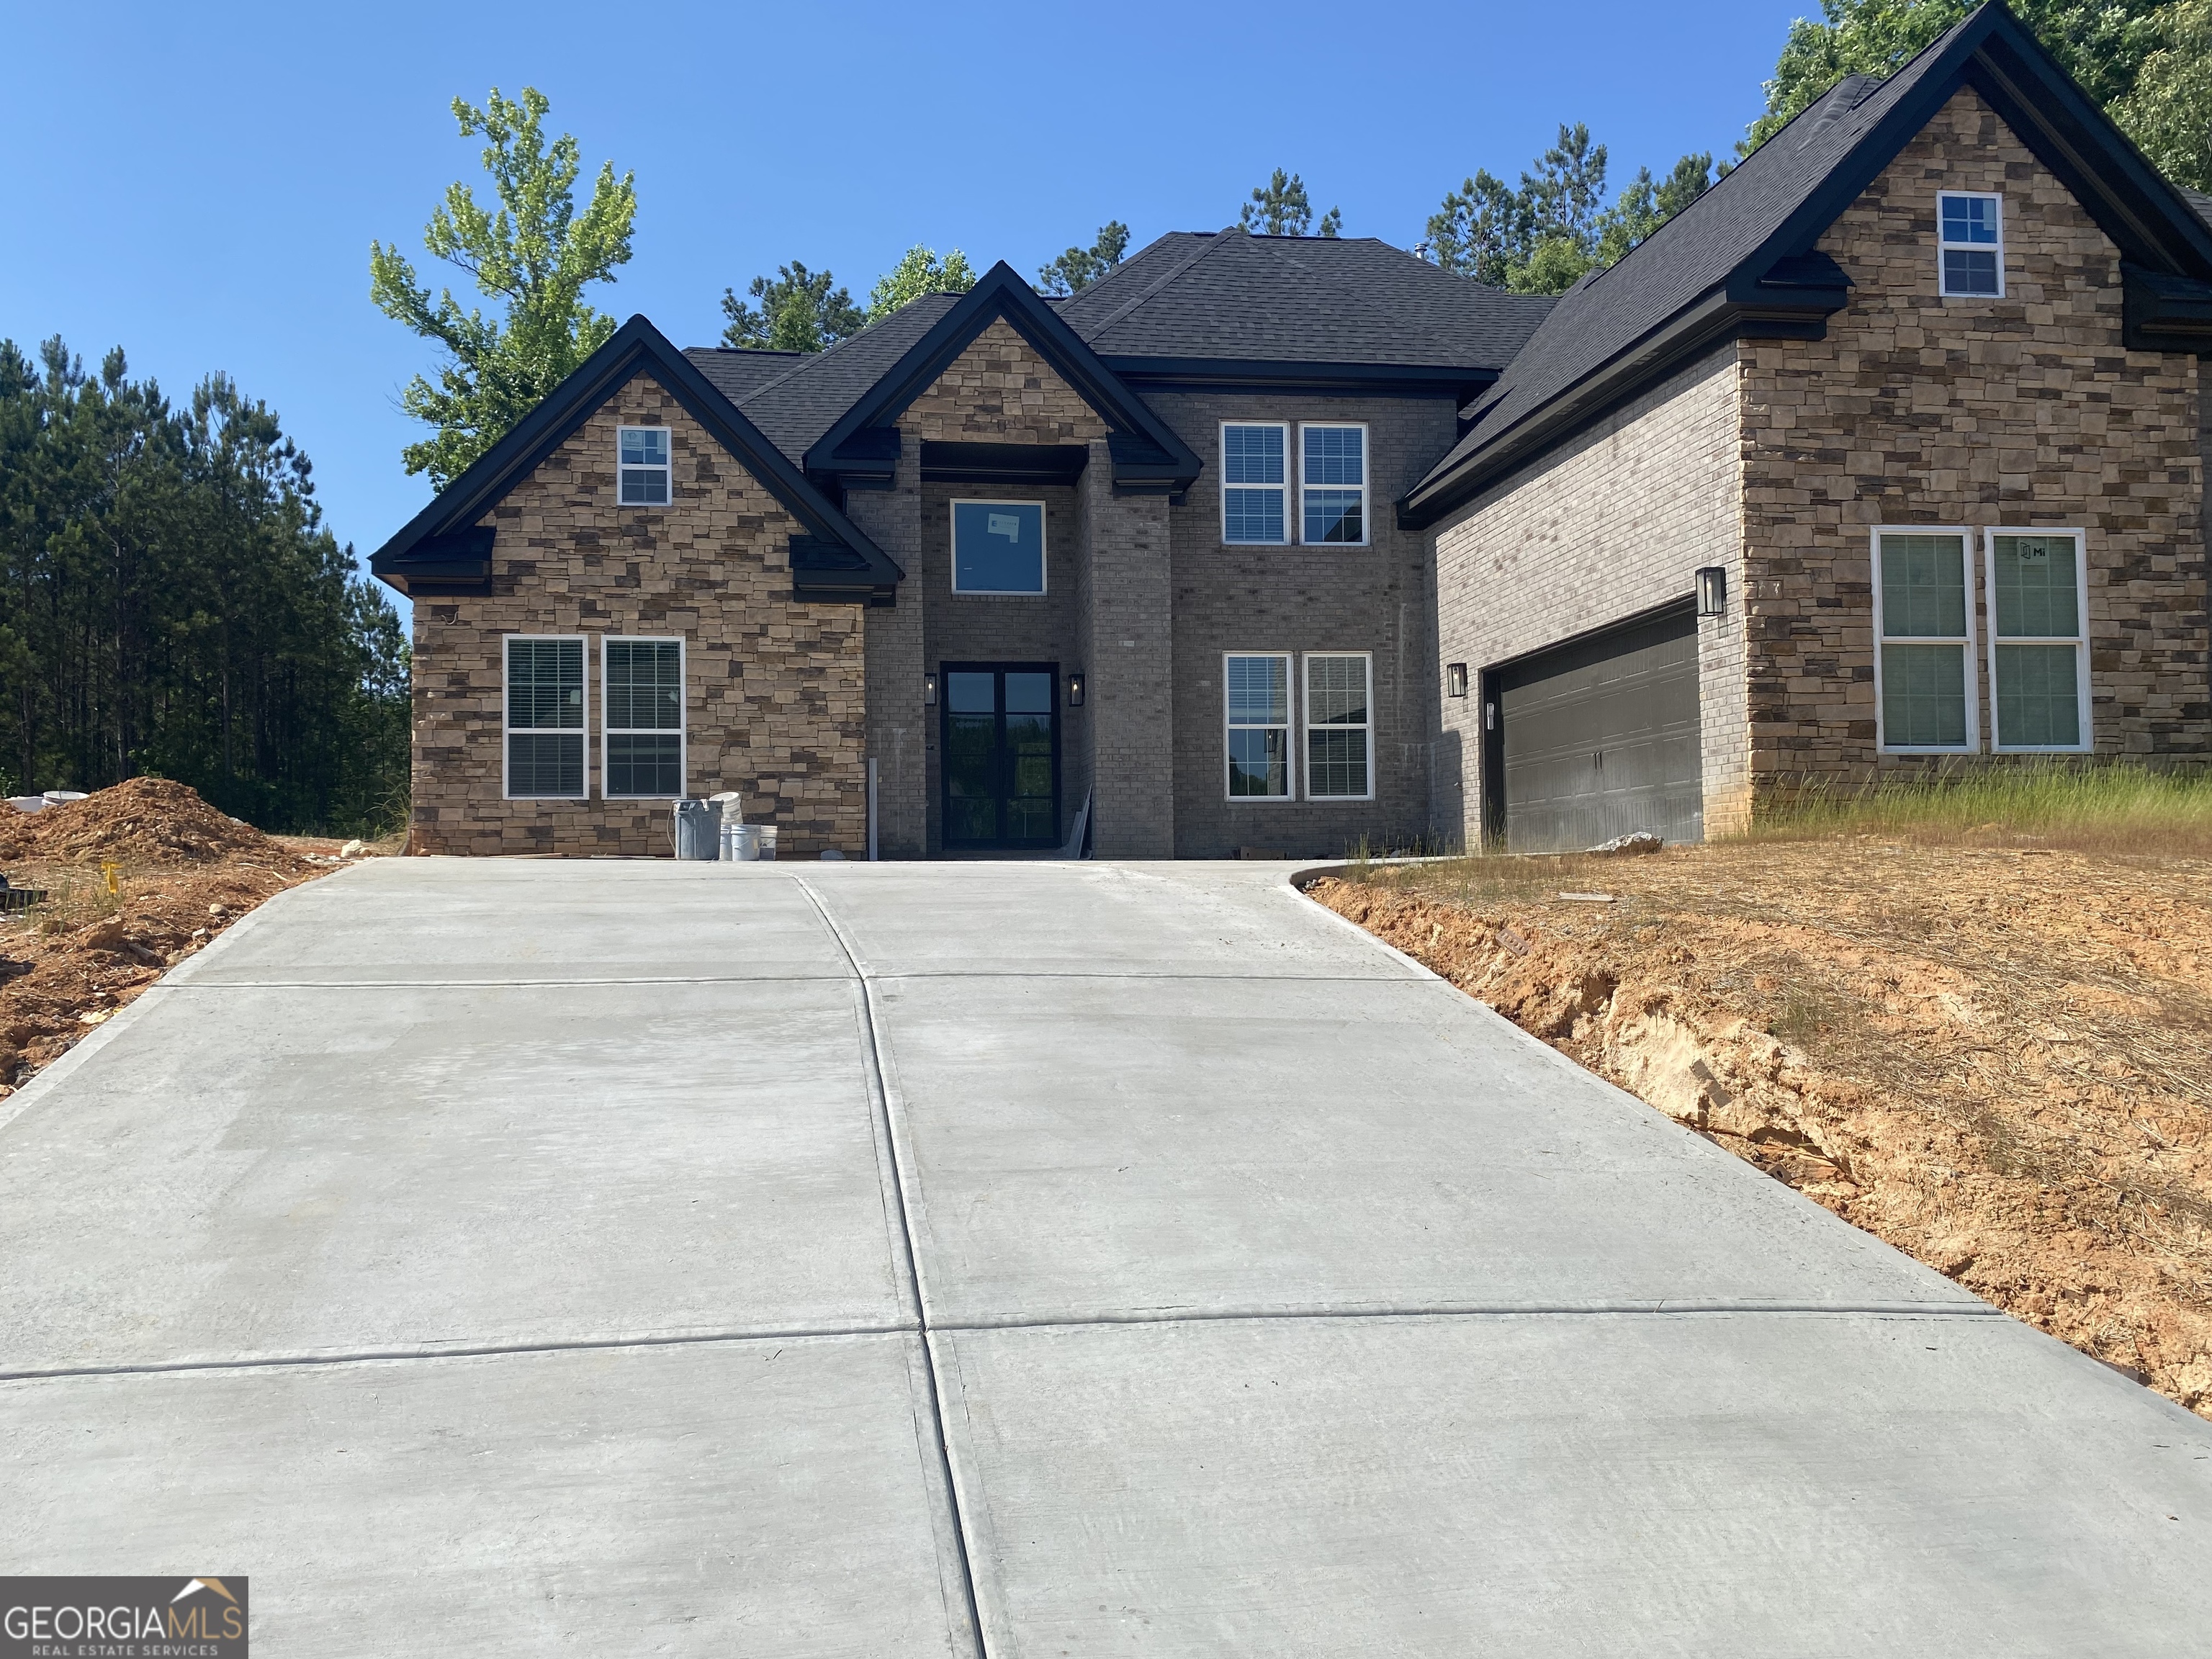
(1970,229)
(644,465)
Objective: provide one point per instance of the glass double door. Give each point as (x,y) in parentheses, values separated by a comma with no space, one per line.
(1001,755)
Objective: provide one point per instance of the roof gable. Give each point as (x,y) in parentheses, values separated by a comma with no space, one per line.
(859,448)
(1743,260)
(442,549)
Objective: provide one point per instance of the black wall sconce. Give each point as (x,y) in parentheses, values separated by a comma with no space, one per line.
(1455,679)
(929,691)
(1075,690)
(1712,591)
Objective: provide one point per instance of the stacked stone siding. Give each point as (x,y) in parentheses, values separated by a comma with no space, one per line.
(1610,525)
(774,688)
(1000,391)
(2021,412)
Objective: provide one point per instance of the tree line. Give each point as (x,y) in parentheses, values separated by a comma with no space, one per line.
(172,605)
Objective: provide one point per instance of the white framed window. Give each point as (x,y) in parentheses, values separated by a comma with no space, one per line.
(642,701)
(644,465)
(2037,583)
(1970,244)
(1333,485)
(1256,711)
(998,547)
(1255,483)
(1923,660)
(545,717)
(1340,726)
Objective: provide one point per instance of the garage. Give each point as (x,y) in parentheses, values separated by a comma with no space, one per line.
(1599,738)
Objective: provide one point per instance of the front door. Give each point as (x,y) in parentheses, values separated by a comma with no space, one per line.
(1001,755)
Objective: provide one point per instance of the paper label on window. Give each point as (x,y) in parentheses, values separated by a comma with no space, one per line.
(1008,525)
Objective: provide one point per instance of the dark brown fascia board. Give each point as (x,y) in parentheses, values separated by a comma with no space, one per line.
(1799,312)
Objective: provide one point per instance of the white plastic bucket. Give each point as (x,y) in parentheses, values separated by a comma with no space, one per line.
(741,843)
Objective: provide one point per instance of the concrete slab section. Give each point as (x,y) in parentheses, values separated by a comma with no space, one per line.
(1109,1148)
(1237,920)
(1655,1485)
(248,1173)
(770,1498)
(483,920)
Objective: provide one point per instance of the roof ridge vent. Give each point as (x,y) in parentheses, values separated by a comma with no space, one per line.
(1839,101)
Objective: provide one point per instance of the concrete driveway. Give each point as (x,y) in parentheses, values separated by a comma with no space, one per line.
(1024,1259)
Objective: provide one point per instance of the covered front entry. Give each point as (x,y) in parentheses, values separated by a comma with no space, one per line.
(1002,749)
(1598,738)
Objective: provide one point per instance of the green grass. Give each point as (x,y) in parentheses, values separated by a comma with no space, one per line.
(2120,807)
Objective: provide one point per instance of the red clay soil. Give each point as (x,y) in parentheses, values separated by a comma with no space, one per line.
(1993,1058)
(183,872)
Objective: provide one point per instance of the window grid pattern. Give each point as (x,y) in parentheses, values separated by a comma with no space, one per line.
(1254,483)
(1971,245)
(644,718)
(1925,645)
(1337,728)
(645,466)
(1333,483)
(1258,697)
(2035,595)
(545,719)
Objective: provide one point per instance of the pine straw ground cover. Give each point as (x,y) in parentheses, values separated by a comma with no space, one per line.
(182,873)
(1991,1046)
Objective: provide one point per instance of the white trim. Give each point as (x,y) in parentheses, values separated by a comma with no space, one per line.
(1289,729)
(1307,728)
(2079,641)
(1942,283)
(667,470)
(1366,480)
(682,727)
(1971,691)
(583,729)
(1290,521)
(1044,563)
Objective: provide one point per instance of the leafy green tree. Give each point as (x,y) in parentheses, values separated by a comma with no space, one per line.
(1545,236)
(1079,267)
(1279,208)
(172,604)
(2104,44)
(535,255)
(798,311)
(919,271)
(2168,111)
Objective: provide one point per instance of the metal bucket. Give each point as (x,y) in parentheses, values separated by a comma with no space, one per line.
(692,829)
(741,843)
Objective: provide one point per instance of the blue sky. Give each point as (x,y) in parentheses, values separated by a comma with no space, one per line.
(200,184)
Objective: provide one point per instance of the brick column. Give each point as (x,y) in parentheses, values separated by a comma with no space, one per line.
(1125,632)
(898,722)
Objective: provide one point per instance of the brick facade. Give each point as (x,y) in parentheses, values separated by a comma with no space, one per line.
(1606,527)
(774,688)
(2020,411)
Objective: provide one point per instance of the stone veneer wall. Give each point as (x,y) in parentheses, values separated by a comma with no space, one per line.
(2021,412)
(774,687)
(1000,391)
(1607,527)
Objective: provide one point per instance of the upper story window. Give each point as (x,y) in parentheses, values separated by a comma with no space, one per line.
(645,466)
(1970,233)
(998,547)
(1333,478)
(1254,482)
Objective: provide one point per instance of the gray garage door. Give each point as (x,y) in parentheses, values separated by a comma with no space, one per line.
(1600,738)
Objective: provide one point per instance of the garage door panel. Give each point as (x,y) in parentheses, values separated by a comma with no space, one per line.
(1600,738)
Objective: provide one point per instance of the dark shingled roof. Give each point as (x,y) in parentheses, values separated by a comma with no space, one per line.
(1306,298)
(797,407)
(1774,207)
(737,370)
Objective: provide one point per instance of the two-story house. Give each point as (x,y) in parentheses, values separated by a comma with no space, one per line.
(1886,451)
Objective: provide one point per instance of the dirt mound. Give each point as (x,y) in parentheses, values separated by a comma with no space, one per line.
(142,821)
(1993,1061)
